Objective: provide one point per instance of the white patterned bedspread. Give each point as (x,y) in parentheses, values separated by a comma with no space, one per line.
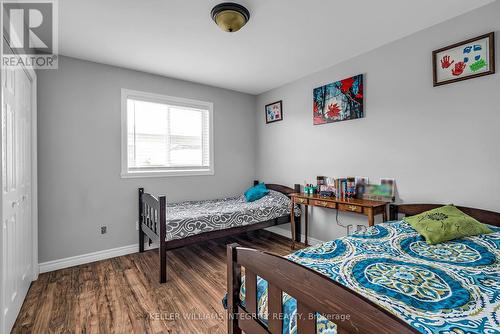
(194,217)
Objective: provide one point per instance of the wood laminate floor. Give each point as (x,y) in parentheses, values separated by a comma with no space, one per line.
(122,295)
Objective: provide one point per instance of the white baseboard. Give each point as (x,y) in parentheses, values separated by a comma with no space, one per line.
(48,266)
(288,234)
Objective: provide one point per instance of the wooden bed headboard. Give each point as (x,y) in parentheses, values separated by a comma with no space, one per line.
(484,216)
(280,188)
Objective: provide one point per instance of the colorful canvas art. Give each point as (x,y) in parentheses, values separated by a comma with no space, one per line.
(338,101)
(274,112)
(464,60)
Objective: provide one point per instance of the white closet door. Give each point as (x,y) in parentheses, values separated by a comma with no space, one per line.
(17,238)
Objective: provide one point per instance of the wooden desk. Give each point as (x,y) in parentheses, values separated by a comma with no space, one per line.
(359,206)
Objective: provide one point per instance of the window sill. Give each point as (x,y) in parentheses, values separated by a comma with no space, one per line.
(142,174)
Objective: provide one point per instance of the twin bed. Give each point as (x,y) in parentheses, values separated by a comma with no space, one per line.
(174,225)
(385,280)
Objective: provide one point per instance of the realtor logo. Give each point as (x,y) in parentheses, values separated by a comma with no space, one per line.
(29,33)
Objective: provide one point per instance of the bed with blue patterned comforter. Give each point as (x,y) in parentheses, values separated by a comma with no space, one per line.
(452,287)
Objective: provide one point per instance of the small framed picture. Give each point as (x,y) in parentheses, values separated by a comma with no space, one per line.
(465,60)
(388,187)
(274,112)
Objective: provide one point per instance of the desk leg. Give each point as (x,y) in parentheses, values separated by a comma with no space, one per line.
(292,223)
(384,214)
(298,230)
(306,222)
(371,217)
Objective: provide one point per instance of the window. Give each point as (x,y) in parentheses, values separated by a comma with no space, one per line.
(165,136)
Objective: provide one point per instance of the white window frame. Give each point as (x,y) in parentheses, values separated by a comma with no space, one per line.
(158,98)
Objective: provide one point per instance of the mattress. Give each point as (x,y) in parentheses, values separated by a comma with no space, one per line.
(452,287)
(194,217)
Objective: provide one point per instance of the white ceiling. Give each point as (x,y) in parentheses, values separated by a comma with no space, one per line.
(283,41)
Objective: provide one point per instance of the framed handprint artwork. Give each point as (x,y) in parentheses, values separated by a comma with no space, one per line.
(465,60)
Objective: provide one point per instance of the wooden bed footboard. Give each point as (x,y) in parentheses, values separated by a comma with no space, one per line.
(153,224)
(315,293)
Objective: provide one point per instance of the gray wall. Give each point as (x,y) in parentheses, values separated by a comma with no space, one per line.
(440,144)
(79,155)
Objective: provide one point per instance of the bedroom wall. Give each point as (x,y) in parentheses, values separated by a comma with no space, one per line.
(80,187)
(440,144)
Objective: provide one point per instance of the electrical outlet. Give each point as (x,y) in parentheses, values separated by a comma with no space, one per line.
(137,226)
(104,229)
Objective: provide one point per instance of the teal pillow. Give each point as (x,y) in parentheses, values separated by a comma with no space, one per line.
(256,192)
(446,223)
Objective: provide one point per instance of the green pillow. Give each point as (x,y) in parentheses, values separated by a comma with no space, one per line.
(445,223)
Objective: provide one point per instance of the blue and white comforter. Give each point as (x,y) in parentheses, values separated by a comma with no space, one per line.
(452,287)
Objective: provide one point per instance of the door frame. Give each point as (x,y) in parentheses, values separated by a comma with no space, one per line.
(34,173)
(34,182)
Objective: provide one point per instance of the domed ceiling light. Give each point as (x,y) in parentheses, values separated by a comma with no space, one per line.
(230,16)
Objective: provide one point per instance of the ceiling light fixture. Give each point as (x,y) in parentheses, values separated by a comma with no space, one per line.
(230,16)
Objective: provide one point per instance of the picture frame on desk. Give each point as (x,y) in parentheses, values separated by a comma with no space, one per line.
(385,191)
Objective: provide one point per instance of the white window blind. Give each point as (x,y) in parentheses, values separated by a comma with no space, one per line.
(167,135)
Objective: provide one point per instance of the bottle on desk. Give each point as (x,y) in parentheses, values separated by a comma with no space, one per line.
(309,189)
